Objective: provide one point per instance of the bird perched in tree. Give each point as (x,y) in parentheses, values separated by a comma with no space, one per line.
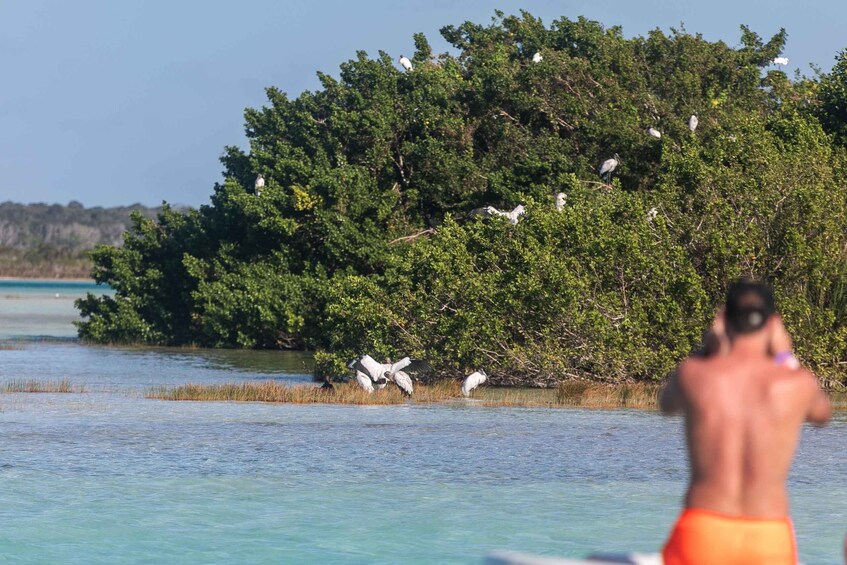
(537,58)
(405,62)
(654,132)
(484,212)
(515,214)
(491,211)
(780,61)
(561,198)
(692,122)
(472,381)
(259,184)
(608,166)
(652,213)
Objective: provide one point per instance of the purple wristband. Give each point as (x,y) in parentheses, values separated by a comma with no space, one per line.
(786,358)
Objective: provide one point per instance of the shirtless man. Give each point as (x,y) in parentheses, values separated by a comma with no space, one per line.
(744,405)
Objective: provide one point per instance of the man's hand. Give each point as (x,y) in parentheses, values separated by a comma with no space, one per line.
(715,341)
(780,339)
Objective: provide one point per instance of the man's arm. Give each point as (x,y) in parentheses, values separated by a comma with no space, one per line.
(670,399)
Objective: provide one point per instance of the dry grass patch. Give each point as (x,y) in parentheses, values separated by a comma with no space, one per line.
(635,395)
(567,395)
(838,399)
(32,385)
(270,391)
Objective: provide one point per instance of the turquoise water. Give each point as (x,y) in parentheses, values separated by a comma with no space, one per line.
(41,309)
(109,476)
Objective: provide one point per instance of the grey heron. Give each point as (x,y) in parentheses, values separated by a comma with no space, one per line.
(692,122)
(259,184)
(405,62)
(608,166)
(537,58)
(654,132)
(561,198)
(472,381)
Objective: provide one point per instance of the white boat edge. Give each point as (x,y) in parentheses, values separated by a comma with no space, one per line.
(515,558)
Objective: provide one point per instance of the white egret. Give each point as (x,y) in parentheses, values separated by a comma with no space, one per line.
(491,211)
(259,184)
(692,122)
(515,214)
(407,363)
(405,62)
(780,61)
(537,58)
(364,381)
(652,213)
(608,166)
(378,375)
(485,212)
(561,198)
(367,367)
(402,380)
(472,381)
(654,132)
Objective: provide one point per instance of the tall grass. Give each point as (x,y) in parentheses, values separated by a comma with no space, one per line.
(32,385)
(594,396)
(634,395)
(270,391)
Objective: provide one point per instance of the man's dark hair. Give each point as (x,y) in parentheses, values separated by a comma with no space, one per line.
(749,304)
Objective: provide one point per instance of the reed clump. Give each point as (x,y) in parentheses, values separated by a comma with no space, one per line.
(270,391)
(36,386)
(838,398)
(567,395)
(629,395)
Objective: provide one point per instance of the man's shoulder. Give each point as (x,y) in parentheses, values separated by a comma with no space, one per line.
(799,378)
(699,364)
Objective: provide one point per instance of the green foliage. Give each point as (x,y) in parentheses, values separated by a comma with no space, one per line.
(596,290)
(360,240)
(832,109)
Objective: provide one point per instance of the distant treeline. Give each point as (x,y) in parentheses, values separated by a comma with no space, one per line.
(53,241)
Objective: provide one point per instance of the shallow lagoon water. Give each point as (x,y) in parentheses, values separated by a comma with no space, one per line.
(109,476)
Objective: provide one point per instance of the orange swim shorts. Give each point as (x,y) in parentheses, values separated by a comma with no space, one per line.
(710,538)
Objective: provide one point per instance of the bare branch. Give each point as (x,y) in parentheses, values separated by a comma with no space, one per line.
(412,237)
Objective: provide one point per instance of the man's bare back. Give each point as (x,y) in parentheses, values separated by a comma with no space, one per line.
(744,399)
(743,417)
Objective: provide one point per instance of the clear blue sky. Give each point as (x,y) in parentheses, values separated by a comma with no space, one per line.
(112,102)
